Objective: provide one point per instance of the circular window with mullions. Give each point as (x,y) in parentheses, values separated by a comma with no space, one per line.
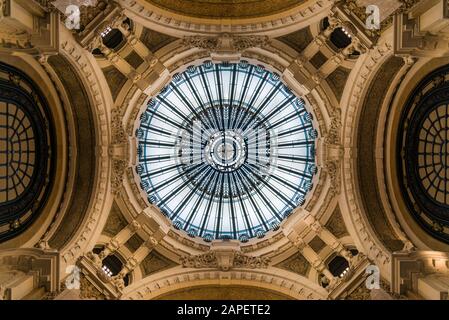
(424,153)
(226,151)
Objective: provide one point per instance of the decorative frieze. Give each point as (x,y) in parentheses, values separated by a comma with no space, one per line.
(333,169)
(118,171)
(224,260)
(225,42)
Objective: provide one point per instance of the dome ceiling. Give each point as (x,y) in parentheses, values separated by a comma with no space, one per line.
(226,151)
(226,9)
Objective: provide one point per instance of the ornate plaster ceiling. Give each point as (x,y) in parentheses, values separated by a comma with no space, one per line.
(224,293)
(226,9)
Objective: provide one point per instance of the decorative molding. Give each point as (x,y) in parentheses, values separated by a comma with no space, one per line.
(118,171)
(410,265)
(421,40)
(154,18)
(333,136)
(333,169)
(88,290)
(118,134)
(152,286)
(372,247)
(91,225)
(37,34)
(224,260)
(42,264)
(119,150)
(205,260)
(225,42)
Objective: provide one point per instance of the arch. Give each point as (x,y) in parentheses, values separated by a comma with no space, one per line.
(178,278)
(155,18)
(412,229)
(44,91)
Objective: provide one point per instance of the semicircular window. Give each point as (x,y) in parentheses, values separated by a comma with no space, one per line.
(24,152)
(226,151)
(424,149)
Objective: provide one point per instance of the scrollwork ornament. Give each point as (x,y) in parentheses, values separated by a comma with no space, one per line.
(245,261)
(118,133)
(333,135)
(89,291)
(118,282)
(211,260)
(333,169)
(225,42)
(243,43)
(207,43)
(205,260)
(118,171)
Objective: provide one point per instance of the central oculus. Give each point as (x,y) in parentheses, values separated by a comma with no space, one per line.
(226,151)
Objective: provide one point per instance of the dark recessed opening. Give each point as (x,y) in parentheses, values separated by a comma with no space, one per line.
(113,39)
(97,52)
(338,265)
(325,23)
(127,23)
(97,250)
(113,264)
(340,39)
(355,54)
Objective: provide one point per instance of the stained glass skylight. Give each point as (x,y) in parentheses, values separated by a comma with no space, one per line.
(226,151)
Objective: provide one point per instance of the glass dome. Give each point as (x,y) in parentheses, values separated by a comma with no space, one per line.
(226,151)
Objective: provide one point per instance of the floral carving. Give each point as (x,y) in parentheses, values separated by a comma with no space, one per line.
(333,135)
(225,42)
(118,282)
(118,171)
(224,261)
(244,261)
(333,169)
(89,291)
(243,43)
(118,133)
(207,43)
(205,260)
(119,142)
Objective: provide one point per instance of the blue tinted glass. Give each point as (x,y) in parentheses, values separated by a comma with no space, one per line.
(226,151)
